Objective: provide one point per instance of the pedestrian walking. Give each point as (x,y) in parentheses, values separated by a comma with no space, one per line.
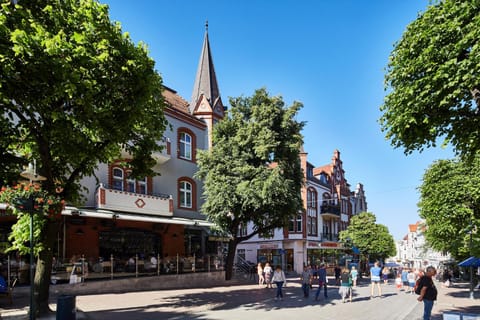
(385,273)
(261,279)
(375,272)
(345,289)
(306,278)
(267,271)
(411,281)
(322,281)
(398,282)
(405,279)
(279,280)
(337,271)
(428,292)
(354,275)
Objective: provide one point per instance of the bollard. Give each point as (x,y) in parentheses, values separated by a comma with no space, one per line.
(66,309)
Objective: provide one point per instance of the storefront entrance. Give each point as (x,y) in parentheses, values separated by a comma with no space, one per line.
(125,243)
(274,256)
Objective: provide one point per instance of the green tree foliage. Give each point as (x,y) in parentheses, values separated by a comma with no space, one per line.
(252,174)
(432,80)
(450,203)
(372,239)
(74,92)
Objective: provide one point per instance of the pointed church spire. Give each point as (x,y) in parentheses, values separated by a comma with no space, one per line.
(205,80)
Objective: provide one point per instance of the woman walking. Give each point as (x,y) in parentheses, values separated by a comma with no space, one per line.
(279,280)
(345,285)
(354,275)
(268,275)
(261,279)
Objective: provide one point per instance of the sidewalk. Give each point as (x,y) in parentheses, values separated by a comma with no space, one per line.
(456,298)
(453,299)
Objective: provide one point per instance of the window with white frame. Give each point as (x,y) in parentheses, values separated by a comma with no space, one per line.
(298,223)
(185,194)
(142,186)
(295,224)
(312,219)
(117,179)
(185,146)
(130,183)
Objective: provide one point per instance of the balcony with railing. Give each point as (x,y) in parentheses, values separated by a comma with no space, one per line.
(331,210)
(330,237)
(151,204)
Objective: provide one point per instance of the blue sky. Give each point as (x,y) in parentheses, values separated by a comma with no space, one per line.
(329,55)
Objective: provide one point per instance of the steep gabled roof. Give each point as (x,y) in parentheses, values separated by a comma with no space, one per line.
(205,80)
(174,100)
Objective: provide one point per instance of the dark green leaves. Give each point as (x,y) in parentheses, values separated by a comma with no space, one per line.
(431,78)
(252,173)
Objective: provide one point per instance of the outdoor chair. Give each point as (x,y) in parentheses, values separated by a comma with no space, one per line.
(9,293)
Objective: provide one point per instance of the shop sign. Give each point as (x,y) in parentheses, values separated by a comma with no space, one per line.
(221,239)
(268,246)
(329,245)
(313,244)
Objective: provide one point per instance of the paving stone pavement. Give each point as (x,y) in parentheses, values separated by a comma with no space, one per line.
(244,301)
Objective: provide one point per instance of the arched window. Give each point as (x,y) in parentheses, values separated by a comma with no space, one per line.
(117,181)
(185,146)
(312,211)
(186,193)
(122,180)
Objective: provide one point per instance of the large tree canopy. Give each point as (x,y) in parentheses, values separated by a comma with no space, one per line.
(252,174)
(74,92)
(432,80)
(450,205)
(371,239)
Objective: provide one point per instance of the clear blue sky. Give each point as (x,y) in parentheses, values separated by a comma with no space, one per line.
(329,55)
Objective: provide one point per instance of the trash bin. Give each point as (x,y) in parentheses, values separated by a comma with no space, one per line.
(66,309)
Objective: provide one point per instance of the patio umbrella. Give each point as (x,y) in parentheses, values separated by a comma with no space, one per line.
(470,262)
(391,265)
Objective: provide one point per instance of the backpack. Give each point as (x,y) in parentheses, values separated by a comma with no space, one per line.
(417,287)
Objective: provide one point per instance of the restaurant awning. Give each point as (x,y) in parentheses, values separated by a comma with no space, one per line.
(108,214)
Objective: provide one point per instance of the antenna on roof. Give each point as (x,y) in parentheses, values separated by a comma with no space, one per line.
(206,25)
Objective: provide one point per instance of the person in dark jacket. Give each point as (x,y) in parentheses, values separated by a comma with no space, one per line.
(428,292)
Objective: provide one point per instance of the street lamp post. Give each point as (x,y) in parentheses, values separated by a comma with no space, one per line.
(29,204)
(471,266)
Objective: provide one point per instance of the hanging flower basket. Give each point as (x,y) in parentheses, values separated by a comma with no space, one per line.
(31,198)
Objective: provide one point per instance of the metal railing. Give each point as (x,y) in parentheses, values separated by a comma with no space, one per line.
(329,236)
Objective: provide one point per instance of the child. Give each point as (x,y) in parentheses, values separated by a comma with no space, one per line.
(398,281)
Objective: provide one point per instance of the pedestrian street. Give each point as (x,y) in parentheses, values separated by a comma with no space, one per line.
(246,302)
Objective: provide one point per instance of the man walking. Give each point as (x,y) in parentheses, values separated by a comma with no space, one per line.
(322,281)
(428,292)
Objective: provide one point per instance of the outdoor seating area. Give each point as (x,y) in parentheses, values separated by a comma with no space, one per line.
(80,269)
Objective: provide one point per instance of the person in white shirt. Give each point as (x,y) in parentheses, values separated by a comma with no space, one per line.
(279,280)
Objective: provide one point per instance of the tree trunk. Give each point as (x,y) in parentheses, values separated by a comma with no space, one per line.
(232,246)
(44,268)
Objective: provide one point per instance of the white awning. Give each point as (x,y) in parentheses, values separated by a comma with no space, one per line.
(107,214)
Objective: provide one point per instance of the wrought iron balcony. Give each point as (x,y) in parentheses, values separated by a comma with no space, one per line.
(330,210)
(329,236)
